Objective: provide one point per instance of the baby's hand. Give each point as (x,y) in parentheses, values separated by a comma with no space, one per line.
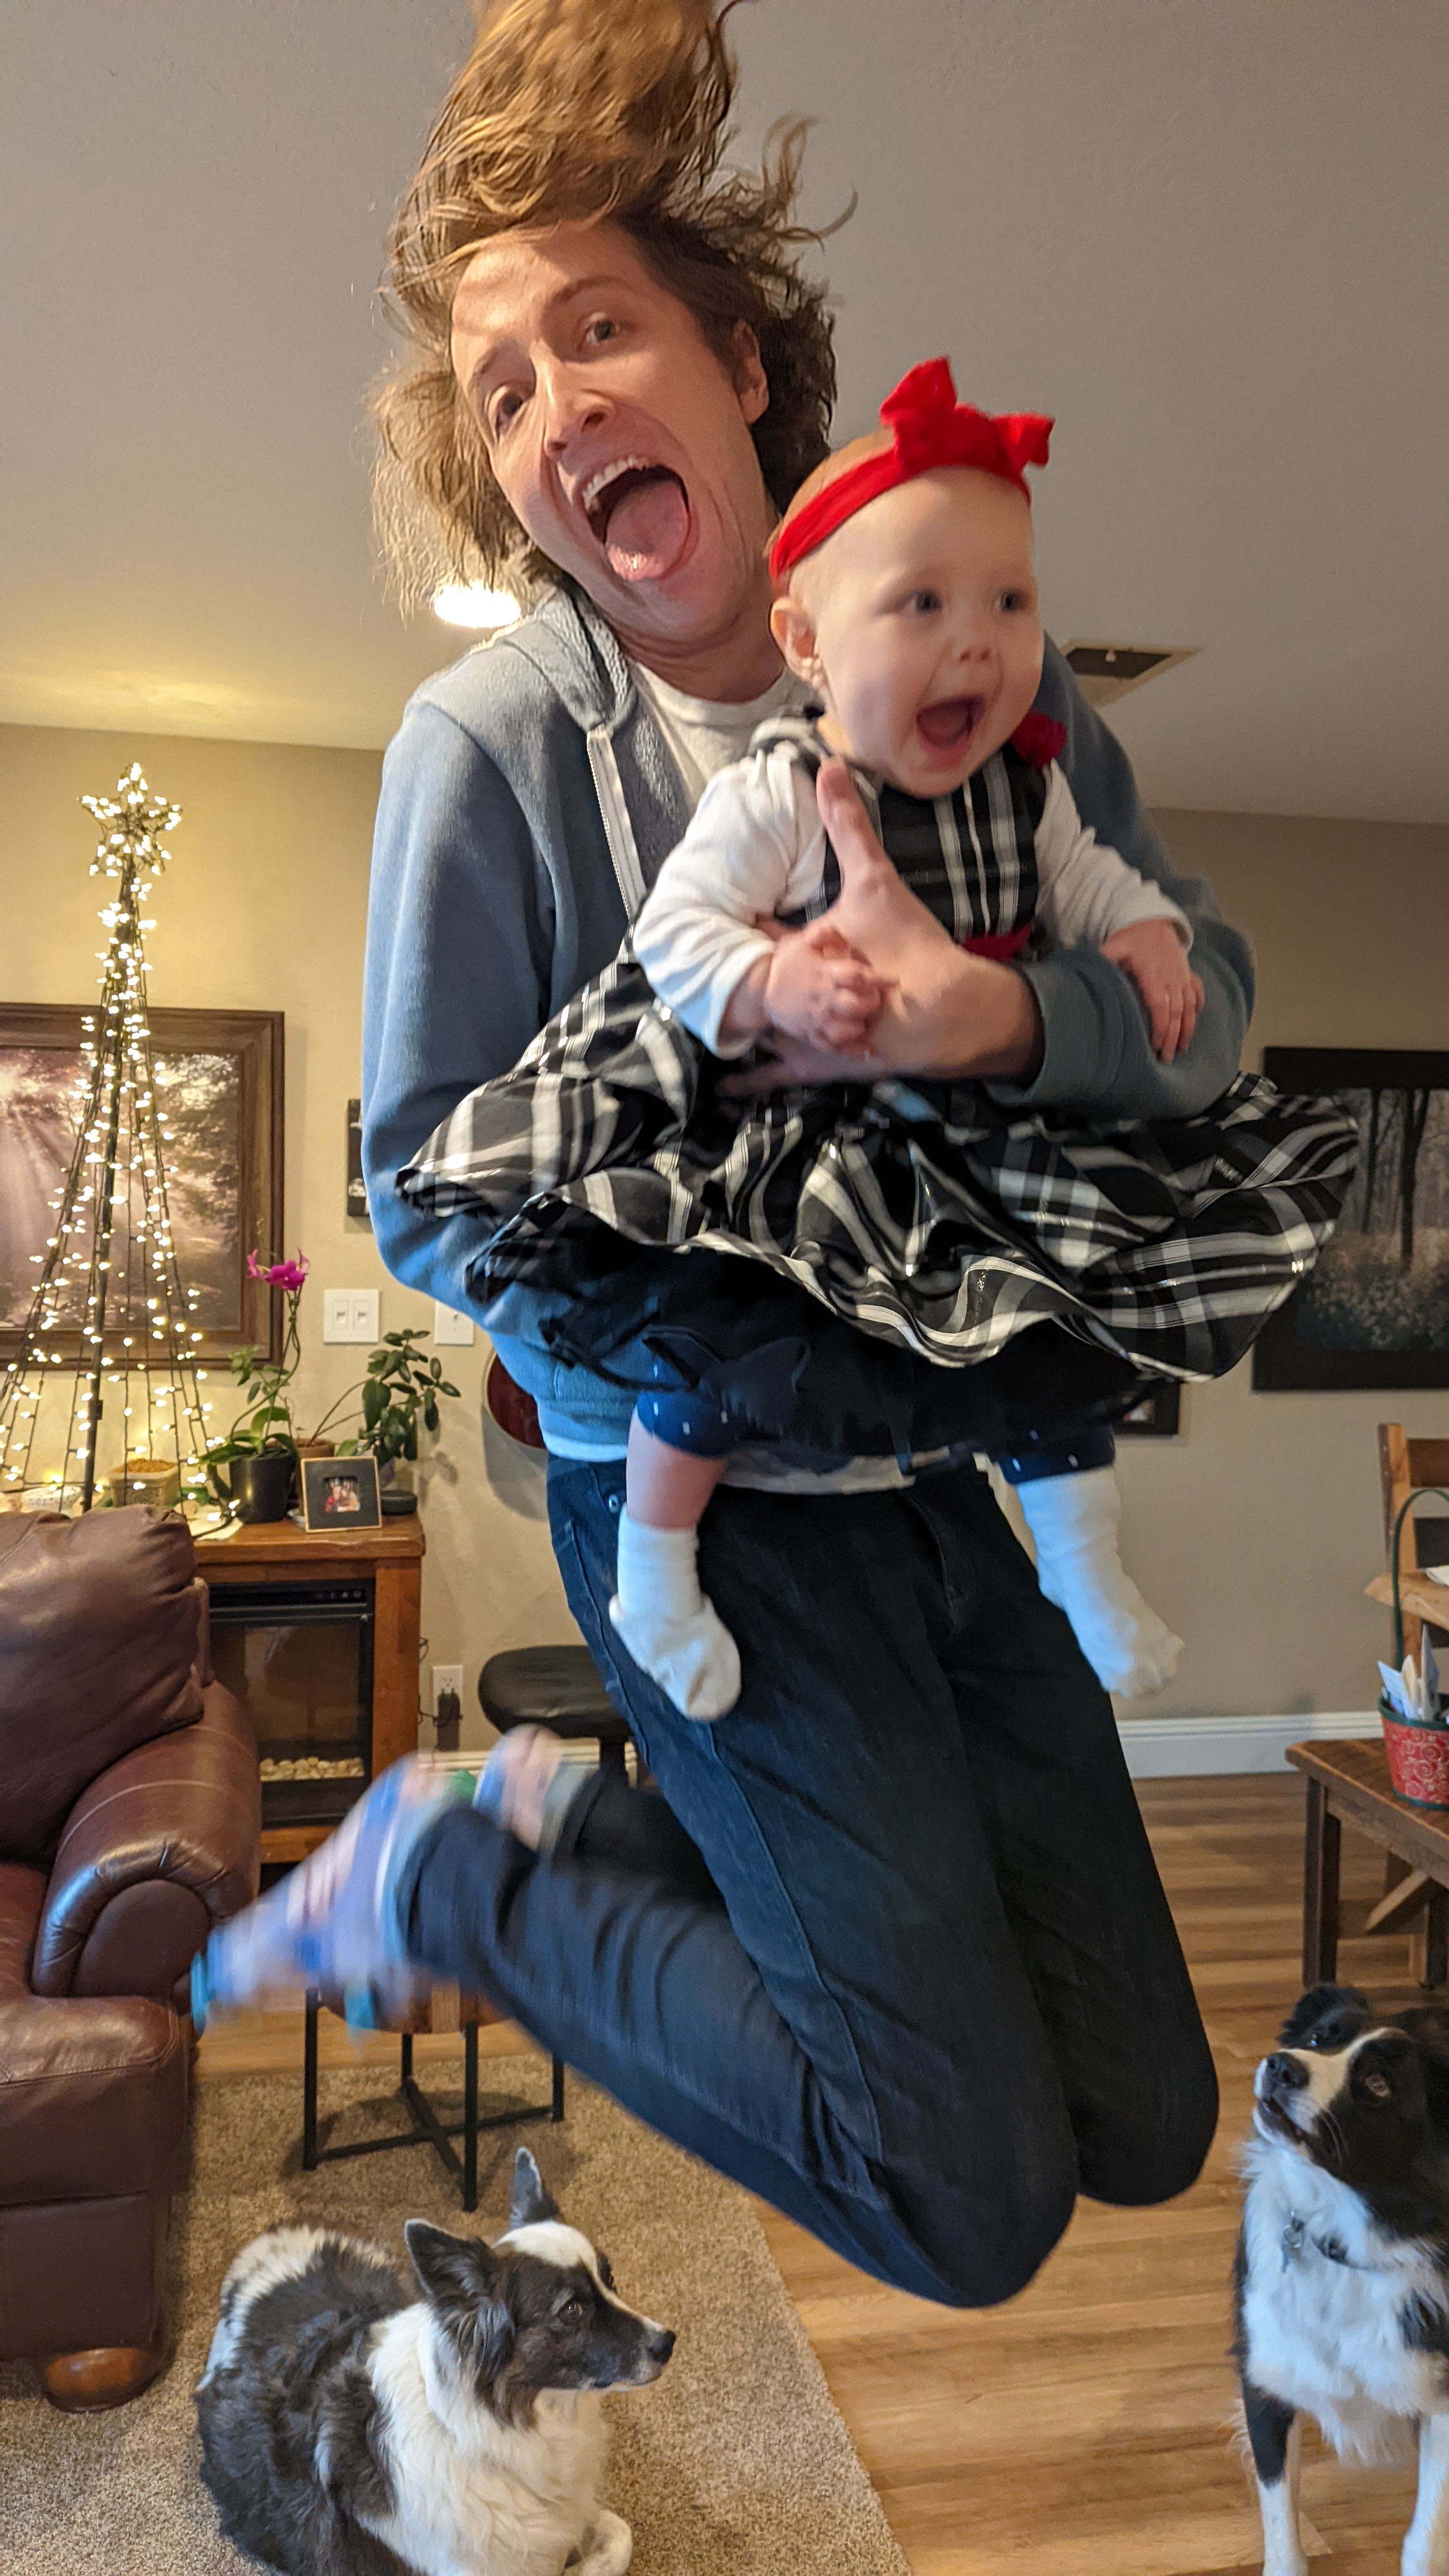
(1152,953)
(821,989)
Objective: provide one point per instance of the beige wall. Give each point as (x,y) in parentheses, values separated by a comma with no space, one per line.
(1253,1534)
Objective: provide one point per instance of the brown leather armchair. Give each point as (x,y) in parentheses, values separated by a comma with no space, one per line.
(129,1824)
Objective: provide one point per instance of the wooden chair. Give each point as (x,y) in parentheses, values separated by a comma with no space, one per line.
(1411,1901)
(1403,1465)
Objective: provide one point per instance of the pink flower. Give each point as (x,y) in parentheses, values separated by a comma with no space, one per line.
(280,1274)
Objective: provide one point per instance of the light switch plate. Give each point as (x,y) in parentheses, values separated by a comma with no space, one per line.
(350,1315)
(450,1326)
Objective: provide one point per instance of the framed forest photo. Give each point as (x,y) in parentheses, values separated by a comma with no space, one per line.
(1375,1312)
(219,1078)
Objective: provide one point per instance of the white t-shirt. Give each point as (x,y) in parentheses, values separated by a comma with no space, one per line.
(705,737)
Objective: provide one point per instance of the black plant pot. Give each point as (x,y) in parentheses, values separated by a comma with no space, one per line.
(260,1488)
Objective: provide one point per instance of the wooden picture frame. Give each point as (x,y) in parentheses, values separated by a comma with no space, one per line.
(1157,1417)
(225,1178)
(1375,1311)
(324,1507)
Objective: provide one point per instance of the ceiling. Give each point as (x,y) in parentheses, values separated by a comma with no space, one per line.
(1208,235)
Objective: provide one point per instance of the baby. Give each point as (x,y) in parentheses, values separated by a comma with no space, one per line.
(907,603)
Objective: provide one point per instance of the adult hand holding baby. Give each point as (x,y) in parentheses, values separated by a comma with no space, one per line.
(944,1013)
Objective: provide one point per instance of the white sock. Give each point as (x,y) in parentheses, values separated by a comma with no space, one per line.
(1075,1522)
(668,1625)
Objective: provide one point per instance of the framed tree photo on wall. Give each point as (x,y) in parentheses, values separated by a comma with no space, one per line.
(219,1081)
(1375,1312)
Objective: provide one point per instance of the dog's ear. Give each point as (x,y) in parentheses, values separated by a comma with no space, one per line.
(1428,2024)
(452,2270)
(463,2282)
(530,2201)
(1325,2017)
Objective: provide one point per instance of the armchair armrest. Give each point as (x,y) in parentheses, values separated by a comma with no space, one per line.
(160,1847)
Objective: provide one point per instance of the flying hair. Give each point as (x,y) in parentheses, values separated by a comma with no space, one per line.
(571,111)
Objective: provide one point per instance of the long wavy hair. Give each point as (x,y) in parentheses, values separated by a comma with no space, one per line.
(571,111)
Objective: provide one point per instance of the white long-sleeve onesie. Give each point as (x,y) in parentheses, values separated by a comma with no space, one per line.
(756,847)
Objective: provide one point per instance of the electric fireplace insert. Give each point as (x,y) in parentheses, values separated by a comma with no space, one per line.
(298,1655)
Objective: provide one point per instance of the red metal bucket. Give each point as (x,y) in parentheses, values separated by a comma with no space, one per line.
(1418,1760)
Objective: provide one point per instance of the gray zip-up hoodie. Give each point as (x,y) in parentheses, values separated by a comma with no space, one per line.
(528,801)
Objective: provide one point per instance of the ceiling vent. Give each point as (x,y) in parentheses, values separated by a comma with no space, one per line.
(1106,672)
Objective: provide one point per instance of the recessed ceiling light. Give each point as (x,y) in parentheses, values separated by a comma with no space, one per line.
(472,603)
(1107,671)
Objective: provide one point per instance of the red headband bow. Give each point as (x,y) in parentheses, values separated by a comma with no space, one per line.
(930,428)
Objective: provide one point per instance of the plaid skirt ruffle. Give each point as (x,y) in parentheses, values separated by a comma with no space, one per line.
(923,1212)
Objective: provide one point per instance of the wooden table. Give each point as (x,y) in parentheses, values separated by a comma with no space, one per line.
(1349,1784)
(391,1558)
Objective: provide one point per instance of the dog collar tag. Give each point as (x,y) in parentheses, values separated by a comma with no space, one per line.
(1292,2241)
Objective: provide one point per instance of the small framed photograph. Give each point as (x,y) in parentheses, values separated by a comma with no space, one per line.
(1157,1417)
(340,1494)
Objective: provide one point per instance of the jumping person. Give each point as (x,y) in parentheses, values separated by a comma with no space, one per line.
(890,1948)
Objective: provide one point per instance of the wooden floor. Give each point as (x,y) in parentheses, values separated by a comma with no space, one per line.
(1081,2431)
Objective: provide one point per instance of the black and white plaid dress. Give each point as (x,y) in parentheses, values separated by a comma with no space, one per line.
(924,1213)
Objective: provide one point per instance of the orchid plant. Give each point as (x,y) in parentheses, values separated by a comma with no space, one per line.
(266,1422)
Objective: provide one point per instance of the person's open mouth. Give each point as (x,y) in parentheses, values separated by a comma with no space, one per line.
(640,515)
(946,729)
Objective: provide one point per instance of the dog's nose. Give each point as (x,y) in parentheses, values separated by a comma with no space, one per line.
(1285,2074)
(660,2346)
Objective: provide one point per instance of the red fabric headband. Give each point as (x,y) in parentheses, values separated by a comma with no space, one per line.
(930,428)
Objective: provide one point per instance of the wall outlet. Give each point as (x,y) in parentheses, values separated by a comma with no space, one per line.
(447,1677)
(350,1315)
(450,1326)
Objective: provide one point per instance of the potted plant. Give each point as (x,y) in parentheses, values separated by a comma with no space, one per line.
(400,1397)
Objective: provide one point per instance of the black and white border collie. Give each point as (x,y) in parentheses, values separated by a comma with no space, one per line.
(350,2428)
(1343,2261)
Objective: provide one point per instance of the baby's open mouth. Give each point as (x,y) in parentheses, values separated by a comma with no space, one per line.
(640,516)
(949,725)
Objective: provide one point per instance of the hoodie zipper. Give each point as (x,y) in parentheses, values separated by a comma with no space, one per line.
(618,830)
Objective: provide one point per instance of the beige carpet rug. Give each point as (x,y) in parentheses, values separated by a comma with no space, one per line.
(736,2463)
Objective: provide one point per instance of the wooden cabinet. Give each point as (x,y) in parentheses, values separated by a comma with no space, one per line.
(281,1554)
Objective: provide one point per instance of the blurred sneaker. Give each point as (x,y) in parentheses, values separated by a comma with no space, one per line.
(332,1921)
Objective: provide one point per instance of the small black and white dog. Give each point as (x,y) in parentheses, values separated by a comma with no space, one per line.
(1343,2262)
(350,2429)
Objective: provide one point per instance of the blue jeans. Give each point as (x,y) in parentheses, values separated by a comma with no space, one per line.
(891,1949)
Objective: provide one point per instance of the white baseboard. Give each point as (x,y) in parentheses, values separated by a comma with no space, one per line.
(1168,1748)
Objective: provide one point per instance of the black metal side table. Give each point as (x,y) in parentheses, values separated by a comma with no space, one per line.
(426,2128)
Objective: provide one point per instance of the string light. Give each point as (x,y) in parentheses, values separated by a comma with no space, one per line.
(111,1214)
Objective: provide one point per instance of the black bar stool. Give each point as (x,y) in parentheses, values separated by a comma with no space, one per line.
(557,1687)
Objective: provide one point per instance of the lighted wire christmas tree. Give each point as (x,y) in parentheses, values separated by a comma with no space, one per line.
(107,1350)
